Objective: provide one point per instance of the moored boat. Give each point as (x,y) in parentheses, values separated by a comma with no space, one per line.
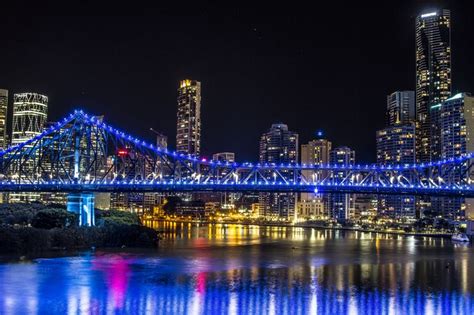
(460,237)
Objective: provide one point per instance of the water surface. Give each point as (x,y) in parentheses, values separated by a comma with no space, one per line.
(233,269)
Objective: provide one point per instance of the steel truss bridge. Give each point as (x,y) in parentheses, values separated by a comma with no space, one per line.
(82,154)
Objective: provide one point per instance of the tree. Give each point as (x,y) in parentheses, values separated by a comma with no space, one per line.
(53,218)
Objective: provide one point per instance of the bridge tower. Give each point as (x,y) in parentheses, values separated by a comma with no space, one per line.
(81,203)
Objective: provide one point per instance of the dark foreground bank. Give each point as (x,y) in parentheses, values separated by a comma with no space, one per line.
(35,228)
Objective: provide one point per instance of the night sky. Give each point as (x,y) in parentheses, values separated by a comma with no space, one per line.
(328,67)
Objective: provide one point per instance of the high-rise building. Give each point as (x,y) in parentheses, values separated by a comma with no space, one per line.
(315,152)
(400,107)
(188,133)
(340,204)
(457,126)
(457,138)
(3,118)
(433,72)
(342,156)
(395,146)
(278,145)
(30,113)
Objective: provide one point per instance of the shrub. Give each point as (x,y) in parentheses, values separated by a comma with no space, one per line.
(116,216)
(53,218)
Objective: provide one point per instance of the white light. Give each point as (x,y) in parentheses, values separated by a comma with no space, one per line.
(429,14)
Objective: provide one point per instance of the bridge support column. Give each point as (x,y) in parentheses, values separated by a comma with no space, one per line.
(83,205)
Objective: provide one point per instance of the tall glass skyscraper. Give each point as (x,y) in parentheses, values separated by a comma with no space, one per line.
(456,124)
(278,145)
(433,72)
(400,107)
(3,118)
(340,205)
(188,132)
(396,146)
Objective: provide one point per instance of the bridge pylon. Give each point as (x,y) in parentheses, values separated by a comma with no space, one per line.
(82,204)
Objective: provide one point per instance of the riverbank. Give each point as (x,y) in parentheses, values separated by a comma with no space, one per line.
(29,229)
(306,225)
(29,240)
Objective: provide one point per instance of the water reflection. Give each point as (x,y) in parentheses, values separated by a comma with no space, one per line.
(219,269)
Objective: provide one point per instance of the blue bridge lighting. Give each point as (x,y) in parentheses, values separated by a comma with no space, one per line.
(80,155)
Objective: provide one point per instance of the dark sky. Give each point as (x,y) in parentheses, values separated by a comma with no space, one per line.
(325,67)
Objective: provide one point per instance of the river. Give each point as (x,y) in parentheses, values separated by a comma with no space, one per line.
(234,269)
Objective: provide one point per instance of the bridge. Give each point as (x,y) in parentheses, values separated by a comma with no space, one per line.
(81,154)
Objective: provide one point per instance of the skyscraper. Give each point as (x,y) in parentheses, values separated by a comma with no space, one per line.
(188,133)
(457,126)
(400,107)
(314,152)
(30,113)
(457,138)
(340,204)
(3,118)
(433,72)
(278,145)
(395,146)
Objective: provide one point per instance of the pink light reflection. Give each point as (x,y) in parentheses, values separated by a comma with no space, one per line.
(116,269)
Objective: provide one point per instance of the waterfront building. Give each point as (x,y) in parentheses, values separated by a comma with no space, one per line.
(433,72)
(400,108)
(340,204)
(365,208)
(396,146)
(188,132)
(193,208)
(456,125)
(315,152)
(278,145)
(311,209)
(3,118)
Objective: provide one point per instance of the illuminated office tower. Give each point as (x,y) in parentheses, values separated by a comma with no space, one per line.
(3,118)
(457,138)
(433,73)
(278,145)
(400,107)
(340,204)
(30,113)
(188,133)
(315,152)
(396,146)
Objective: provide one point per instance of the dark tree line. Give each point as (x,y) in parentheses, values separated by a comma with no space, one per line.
(34,227)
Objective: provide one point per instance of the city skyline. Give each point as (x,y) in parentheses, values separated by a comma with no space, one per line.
(228,158)
(236,94)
